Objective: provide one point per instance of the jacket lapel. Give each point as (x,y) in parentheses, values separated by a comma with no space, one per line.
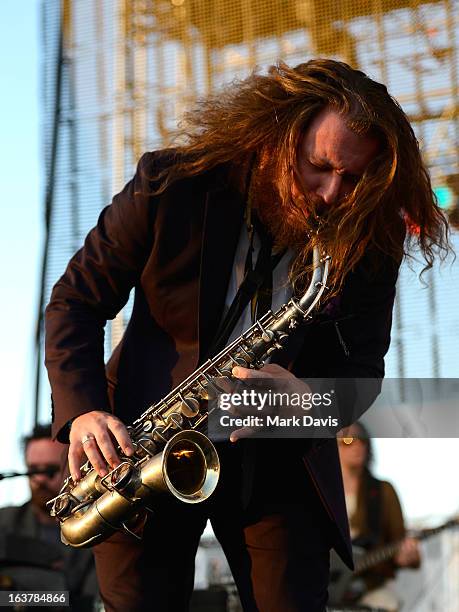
(222,224)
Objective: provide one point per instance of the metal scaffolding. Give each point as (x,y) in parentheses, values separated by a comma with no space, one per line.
(127,70)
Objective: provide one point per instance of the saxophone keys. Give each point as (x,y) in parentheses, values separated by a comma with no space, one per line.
(175,420)
(207,393)
(189,407)
(122,476)
(267,335)
(147,426)
(158,434)
(226,373)
(247,354)
(146,446)
(62,506)
(209,388)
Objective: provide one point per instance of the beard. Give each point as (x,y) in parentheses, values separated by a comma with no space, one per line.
(292,222)
(295,221)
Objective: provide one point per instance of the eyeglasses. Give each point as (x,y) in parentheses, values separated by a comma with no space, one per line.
(49,469)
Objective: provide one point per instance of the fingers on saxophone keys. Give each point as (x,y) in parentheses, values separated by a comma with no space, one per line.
(92,451)
(109,453)
(247,373)
(76,455)
(122,437)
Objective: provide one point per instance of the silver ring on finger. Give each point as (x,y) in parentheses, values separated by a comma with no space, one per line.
(87,438)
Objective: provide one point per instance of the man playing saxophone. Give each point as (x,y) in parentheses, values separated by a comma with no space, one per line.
(269,167)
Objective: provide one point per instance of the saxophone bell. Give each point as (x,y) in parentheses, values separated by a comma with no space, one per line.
(188,469)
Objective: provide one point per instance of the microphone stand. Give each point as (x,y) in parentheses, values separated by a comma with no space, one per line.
(48,471)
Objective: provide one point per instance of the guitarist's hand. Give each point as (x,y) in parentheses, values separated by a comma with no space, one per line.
(94,435)
(408,554)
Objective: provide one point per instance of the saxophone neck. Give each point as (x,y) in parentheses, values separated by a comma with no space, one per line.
(321,265)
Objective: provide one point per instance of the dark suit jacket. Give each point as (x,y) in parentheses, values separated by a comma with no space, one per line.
(177,250)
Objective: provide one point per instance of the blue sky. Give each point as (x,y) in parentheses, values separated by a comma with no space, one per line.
(21,215)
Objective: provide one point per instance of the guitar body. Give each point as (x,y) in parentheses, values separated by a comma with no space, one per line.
(345,585)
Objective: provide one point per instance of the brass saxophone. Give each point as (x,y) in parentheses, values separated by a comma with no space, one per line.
(171,454)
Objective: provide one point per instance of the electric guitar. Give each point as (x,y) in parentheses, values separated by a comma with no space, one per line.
(348,585)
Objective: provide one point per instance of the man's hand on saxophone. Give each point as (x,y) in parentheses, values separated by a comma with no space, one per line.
(94,435)
(272,371)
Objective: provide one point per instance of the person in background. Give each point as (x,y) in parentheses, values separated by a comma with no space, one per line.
(375,519)
(33,521)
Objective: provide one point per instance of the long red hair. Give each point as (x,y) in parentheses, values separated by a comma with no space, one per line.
(266,114)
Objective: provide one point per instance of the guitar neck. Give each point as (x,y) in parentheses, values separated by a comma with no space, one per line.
(388,551)
(379,555)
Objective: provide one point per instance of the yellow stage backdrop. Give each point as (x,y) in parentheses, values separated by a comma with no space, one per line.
(127,69)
